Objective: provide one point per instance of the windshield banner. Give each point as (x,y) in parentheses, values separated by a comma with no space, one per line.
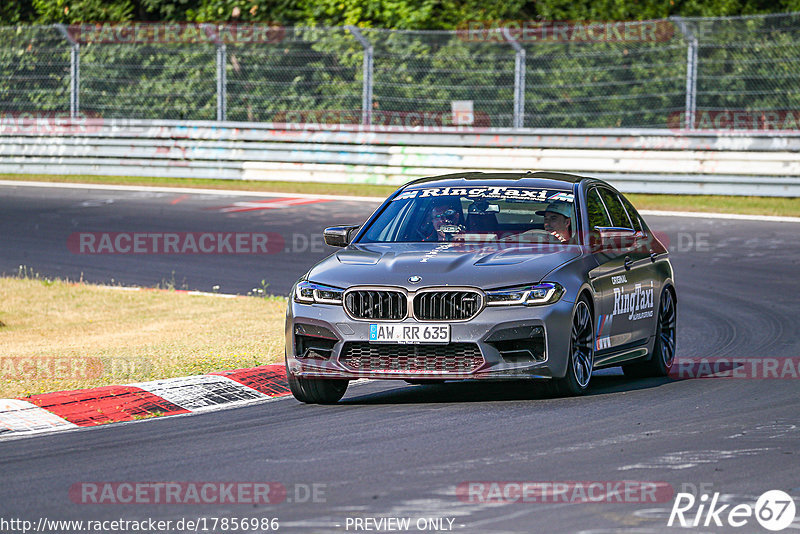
(493,192)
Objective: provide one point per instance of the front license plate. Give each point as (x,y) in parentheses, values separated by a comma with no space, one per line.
(411,333)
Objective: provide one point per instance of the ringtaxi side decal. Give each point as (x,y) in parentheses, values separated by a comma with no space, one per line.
(496,192)
(638,303)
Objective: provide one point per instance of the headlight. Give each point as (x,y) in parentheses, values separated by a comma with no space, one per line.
(308,292)
(532,295)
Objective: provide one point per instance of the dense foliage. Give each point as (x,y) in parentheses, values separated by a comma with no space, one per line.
(395,14)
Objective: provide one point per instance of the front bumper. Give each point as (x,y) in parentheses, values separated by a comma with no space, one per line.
(320,340)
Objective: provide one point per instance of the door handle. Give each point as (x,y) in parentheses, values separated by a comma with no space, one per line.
(628,263)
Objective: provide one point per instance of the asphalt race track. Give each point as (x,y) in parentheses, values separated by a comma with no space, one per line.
(38,222)
(393,450)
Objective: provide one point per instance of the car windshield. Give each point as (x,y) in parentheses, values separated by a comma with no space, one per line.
(476,214)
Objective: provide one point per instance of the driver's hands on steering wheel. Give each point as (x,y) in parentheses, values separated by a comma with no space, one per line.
(558,236)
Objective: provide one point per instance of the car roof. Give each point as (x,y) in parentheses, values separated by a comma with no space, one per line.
(552,180)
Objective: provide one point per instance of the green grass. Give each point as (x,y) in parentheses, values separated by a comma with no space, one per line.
(704,203)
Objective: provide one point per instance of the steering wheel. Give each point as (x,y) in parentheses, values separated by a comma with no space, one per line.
(426,233)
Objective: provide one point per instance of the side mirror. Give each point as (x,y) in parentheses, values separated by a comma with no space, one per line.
(612,239)
(339,236)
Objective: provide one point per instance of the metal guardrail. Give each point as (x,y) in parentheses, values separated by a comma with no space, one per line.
(654,161)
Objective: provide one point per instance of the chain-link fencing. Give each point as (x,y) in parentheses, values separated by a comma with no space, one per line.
(672,73)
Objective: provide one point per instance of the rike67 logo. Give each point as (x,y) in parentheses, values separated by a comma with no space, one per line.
(774,510)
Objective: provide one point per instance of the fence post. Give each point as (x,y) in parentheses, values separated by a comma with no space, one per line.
(74,71)
(691,72)
(366,88)
(519,80)
(222,82)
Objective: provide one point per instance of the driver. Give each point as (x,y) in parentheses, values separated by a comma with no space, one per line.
(558,221)
(444,219)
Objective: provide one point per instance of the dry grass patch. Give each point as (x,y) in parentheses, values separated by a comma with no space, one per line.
(61,336)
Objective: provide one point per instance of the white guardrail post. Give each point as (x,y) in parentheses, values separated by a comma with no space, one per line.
(366,89)
(519,80)
(74,71)
(691,72)
(222,82)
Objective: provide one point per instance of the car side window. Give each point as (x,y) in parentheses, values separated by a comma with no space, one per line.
(636,219)
(398,212)
(597,212)
(619,217)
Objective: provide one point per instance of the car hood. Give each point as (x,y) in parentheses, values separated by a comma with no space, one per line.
(441,264)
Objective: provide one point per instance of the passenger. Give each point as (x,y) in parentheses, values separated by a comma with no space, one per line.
(558,220)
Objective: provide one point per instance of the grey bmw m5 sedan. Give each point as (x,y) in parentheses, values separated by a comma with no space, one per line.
(515,276)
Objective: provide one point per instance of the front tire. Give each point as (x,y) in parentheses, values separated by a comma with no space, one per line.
(660,363)
(317,390)
(581,353)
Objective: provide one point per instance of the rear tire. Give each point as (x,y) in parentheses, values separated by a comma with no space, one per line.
(660,363)
(581,353)
(317,390)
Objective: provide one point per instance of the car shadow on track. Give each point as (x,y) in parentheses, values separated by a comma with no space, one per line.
(470,391)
